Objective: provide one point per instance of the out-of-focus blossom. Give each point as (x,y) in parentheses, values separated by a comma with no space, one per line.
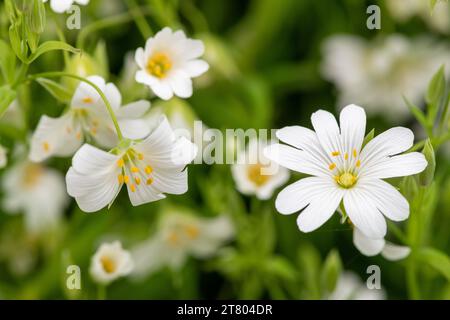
(88,119)
(372,247)
(438,19)
(180,235)
(3,157)
(168,63)
(341,170)
(379,74)
(148,168)
(61,6)
(350,287)
(38,192)
(249,172)
(110,262)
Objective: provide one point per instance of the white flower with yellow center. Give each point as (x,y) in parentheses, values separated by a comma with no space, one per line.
(180,235)
(61,6)
(371,247)
(342,170)
(255,174)
(88,119)
(149,168)
(36,191)
(3,157)
(168,63)
(110,262)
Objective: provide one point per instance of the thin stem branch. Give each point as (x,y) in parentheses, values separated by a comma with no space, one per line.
(93,85)
(139,18)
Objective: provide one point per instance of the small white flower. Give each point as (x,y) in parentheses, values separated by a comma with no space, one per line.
(180,235)
(87,118)
(372,247)
(37,191)
(379,74)
(61,6)
(168,63)
(341,170)
(350,287)
(110,262)
(148,168)
(249,174)
(3,157)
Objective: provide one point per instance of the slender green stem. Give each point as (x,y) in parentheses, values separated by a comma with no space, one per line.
(139,18)
(93,85)
(61,37)
(101,292)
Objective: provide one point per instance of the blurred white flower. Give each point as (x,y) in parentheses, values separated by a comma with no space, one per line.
(3,157)
(438,19)
(249,175)
(344,171)
(372,247)
(350,287)
(149,168)
(378,74)
(178,236)
(87,118)
(110,262)
(168,63)
(38,192)
(61,6)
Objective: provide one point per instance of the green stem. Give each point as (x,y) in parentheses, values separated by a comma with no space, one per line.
(93,85)
(101,292)
(60,36)
(141,23)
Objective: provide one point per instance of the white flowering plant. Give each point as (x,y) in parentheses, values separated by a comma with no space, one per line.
(118,178)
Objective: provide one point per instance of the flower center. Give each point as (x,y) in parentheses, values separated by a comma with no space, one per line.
(159,65)
(254,174)
(135,171)
(32,174)
(108,264)
(346,179)
(182,232)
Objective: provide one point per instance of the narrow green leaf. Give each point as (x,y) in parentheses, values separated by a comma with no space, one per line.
(331,270)
(51,46)
(436,88)
(368,137)
(57,90)
(7,96)
(7,61)
(417,113)
(426,176)
(435,259)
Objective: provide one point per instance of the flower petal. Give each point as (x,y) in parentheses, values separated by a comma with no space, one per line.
(181,85)
(195,68)
(296,160)
(386,198)
(134,128)
(90,160)
(299,194)
(353,127)
(327,131)
(364,214)
(396,166)
(367,246)
(133,110)
(320,210)
(395,252)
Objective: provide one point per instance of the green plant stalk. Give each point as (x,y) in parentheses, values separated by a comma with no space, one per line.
(96,88)
(141,23)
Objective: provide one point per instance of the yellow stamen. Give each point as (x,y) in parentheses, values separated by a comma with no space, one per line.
(78,135)
(346,179)
(140,156)
(192,232)
(88,100)
(332,166)
(138,180)
(93,130)
(134,169)
(335,153)
(346,156)
(120,178)
(46,146)
(120,162)
(148,169)
(358,163)
(108,264)
(149,181)
(126,179)
(173,238)
(159,65)
(255,175)
(132,188)
(354,153)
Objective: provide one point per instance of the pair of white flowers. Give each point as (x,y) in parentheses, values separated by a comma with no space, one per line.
(344,173)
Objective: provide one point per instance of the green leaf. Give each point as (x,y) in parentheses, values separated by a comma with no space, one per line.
(426,176)
(418,114)
(435,259)
(7,96)
(51,46)
(436,89)
(7,61)
(281,268)
(368,137)
(57,90)
(331,270)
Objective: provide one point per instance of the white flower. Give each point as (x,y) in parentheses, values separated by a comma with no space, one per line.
(87,118)
(438,19)
(255,174)
(37,191)
(379,74)
(350,287)
(180,235)
(61,6)
(110,262)
(341,170)
(148,168)
(372,247)
(168,63)
(3,157)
